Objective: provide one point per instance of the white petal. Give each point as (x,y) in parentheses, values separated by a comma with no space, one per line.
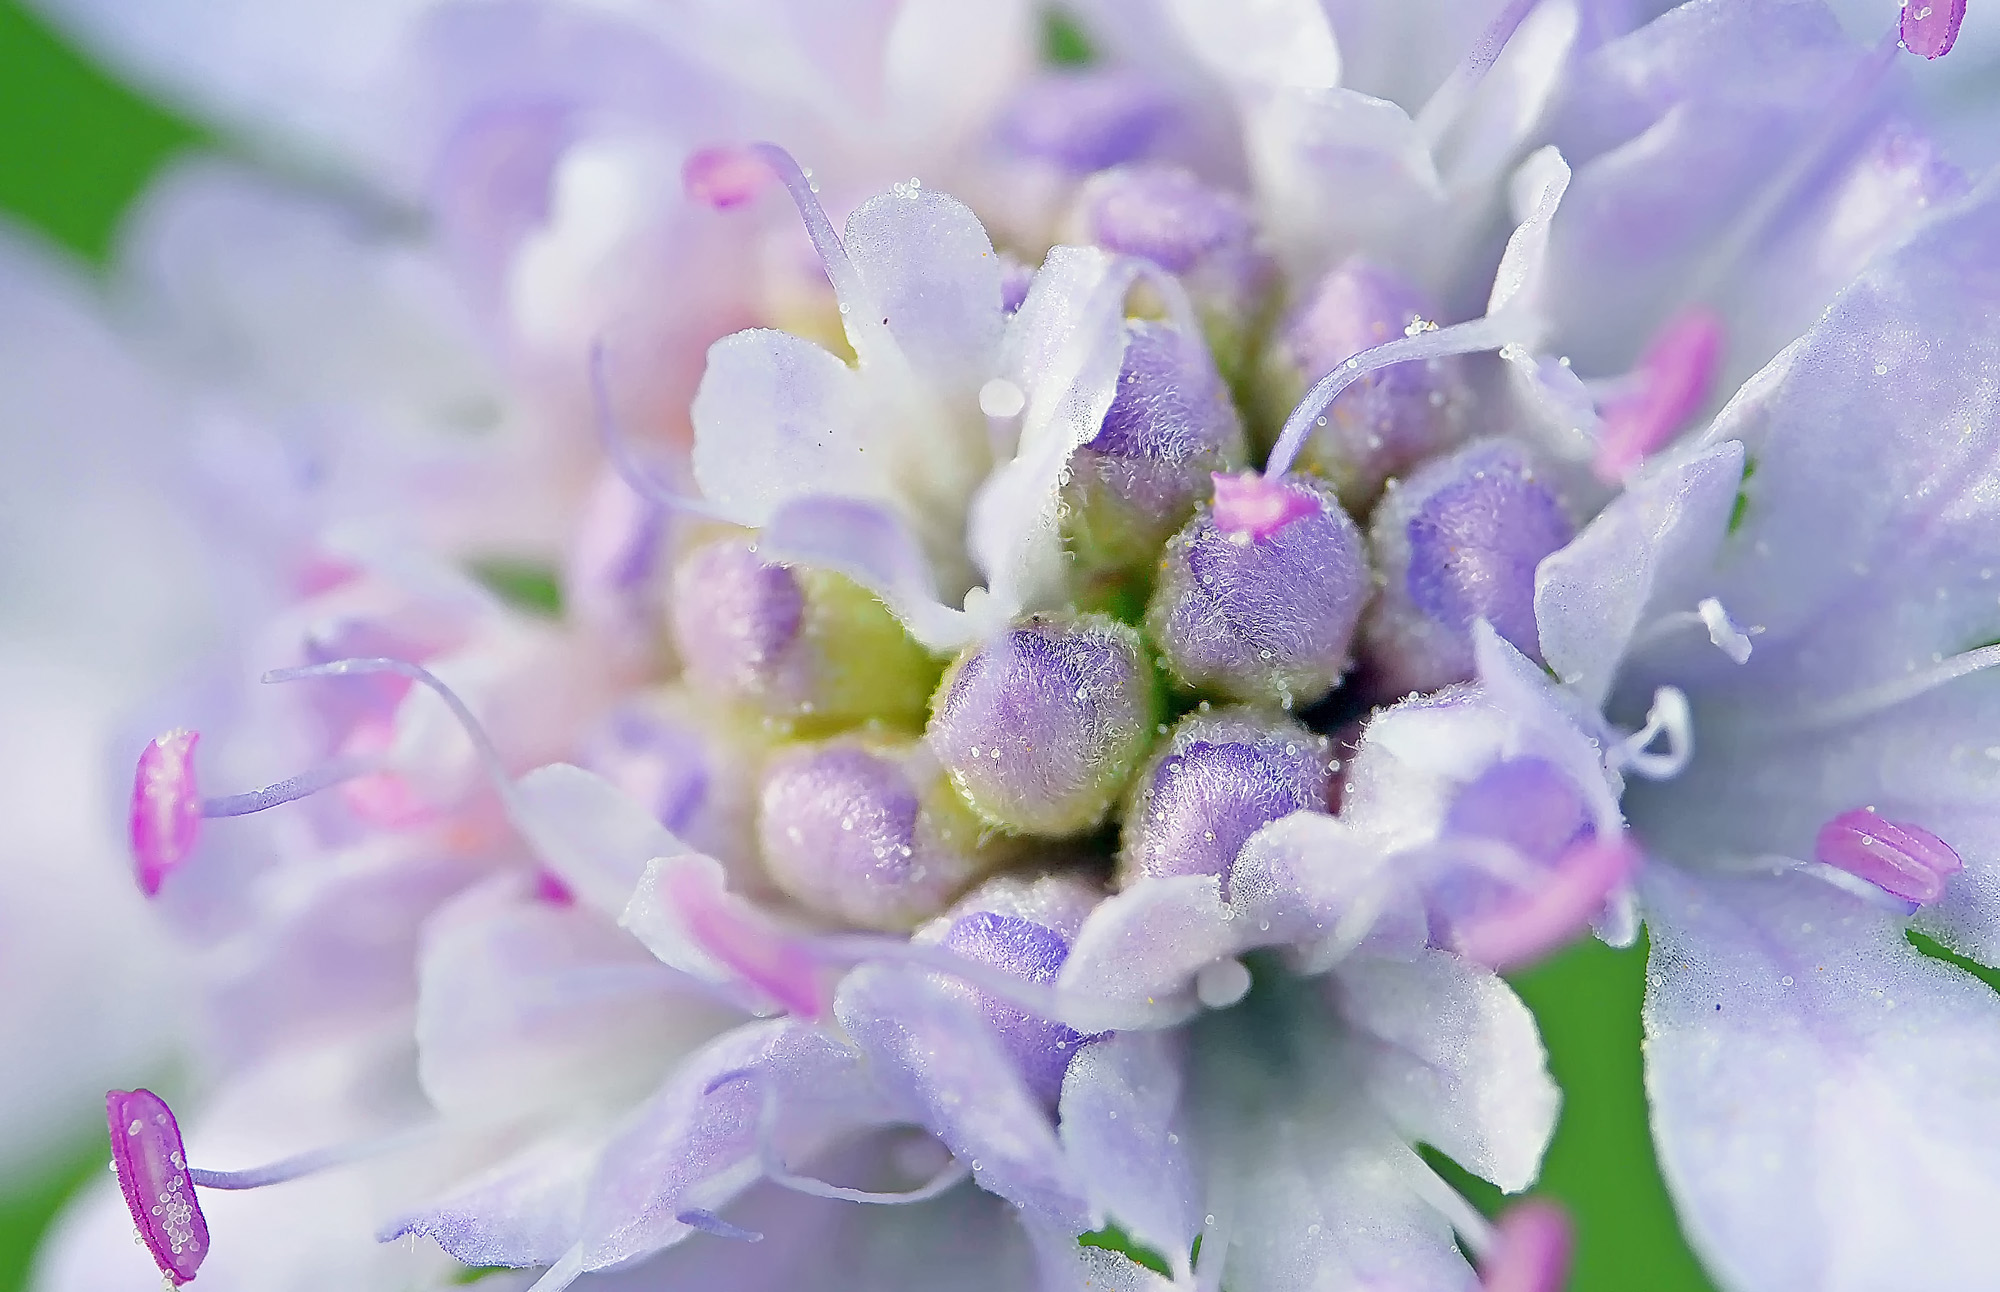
(1460,1065)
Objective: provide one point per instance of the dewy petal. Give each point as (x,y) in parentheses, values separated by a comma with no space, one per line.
(522,1211)
(1122,1125)
(870,543)
(935,1052)
(699,1141)
(1133,963)
(778,418)
(1063,349)
(526,1006)
(685,913)
(1821,1095)
(1863,550)
(932,272)
(1456,1061)
(1642,555)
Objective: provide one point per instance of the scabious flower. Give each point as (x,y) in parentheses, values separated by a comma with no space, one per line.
(1071,744)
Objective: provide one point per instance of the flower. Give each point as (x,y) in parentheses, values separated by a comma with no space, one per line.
(972,820)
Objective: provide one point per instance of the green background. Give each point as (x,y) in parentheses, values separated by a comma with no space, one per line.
(76,147)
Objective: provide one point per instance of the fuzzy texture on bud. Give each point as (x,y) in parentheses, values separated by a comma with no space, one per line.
(1458,541)
(1248,612)
(1041,727)
(1222,776)
(1389,420)
(870,835)
(801,645)
(1169,427)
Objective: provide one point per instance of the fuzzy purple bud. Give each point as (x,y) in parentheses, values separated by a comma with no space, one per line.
(1389,420)
(1259,613)
(1041,727)
(1086,120)
(1223,776)
(1170,426)
(872,836)
(1034,953)
(1204,236)
(1456,542)
(797,644)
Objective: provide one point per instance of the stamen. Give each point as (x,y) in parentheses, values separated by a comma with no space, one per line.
(1670,716)
(1256,507)
(1488,333)
(1673,380)
(1723,632)
(1558,908)
(1930,27)
(1530,1251)
(618,450)
(151,1162)
(159,1187)
(1901,859)
(167,809)
(723,177)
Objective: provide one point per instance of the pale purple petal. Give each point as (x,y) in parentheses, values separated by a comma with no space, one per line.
(1133,963)
(932,272)
(1454,1061)
(1123,1126)
(596,837)
(936,1054)
(1816,1086)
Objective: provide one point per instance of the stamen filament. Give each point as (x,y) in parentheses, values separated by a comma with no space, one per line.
(310,1162)
(291,790)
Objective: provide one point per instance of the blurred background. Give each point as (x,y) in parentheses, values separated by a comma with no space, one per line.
(76,147)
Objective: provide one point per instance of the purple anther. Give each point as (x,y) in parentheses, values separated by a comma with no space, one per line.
(151,1162)
(1084,121)
(1388,420)
(1222,777)
(1901,859)
(723,177)
(1671,383)
(1930,27)
(1033,953)
(737,620)
(1254,507)
(850,832)
(1456,542)
(1550,907)
(1170,425)
(166,808)
(1041,727)
(1265,618)
(1531,1248)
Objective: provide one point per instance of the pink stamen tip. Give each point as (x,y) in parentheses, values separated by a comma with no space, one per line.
(1531,1248)
(1572,894)
(723,177)
(551,888)
(756,949)
(1256,507)
(151,1162)
(1901,859)
(1672,382)
(1930,27)
(166,807)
